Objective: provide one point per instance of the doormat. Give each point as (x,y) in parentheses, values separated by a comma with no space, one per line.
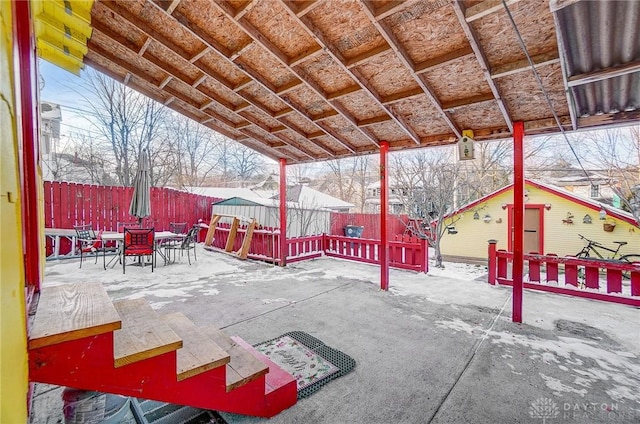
(154,412)
(310,361)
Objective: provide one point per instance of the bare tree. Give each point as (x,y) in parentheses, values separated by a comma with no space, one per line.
(193,151)
(130,122)
(246,163)
(615,152)
(348,179)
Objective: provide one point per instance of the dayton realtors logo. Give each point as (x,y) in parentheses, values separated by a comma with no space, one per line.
(544,409)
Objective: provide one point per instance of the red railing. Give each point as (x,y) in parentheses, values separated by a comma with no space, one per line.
(67,205)
(581,276)
(405,252)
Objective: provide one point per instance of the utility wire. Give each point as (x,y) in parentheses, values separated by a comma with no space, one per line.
(544,91)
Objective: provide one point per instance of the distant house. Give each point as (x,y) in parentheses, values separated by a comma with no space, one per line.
(396,193)
(593,186)
(554,218)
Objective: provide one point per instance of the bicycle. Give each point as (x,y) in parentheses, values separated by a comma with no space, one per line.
(593,246)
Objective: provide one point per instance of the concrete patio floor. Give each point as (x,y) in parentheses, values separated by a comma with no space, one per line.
(435,349)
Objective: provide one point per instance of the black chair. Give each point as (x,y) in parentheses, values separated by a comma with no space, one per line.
(188,243)
(178,227)
(138,242)
(87,241)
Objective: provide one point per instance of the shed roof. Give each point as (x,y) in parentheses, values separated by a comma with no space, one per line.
(324,79)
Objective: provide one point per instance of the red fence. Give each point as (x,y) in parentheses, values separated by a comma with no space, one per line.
(69,204)
(582,276)
(405,252)
(396,224)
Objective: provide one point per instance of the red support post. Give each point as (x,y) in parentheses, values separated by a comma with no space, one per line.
(283,212)
(492,261)
(26,64)
(518,219)
(384,211)
(614,281)
(424,255)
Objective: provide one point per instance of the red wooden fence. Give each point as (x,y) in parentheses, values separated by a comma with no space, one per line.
(405,252)
(70,204)
(396,224)
(581,276)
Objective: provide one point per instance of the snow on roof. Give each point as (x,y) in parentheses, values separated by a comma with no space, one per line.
(307,197)
(222,192)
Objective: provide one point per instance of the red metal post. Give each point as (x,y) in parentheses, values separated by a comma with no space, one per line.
(518,218)
(283,212)
(384,211)
(492,261)
(28,106)
(424,255)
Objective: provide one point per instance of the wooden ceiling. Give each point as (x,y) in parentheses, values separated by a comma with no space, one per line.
(318,80)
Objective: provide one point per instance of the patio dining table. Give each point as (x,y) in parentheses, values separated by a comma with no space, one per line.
(159,237)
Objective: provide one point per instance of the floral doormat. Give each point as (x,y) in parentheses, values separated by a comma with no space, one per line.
(310,361)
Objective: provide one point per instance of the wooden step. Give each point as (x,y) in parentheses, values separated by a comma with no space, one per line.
(71,312)
(199,352)
(277,377)
(243,367)
(143,334)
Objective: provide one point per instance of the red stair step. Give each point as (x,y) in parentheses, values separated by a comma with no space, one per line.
(199,353)
(243,367)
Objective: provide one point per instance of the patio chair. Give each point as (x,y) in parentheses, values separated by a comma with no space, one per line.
(138,242)
(178,227)
(122,225)
(89,242)
(188,243)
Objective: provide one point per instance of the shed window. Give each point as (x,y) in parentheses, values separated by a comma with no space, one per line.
(595,191)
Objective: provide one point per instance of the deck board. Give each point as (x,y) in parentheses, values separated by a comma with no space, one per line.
(199,352)
(70,312)
(143,334)
(243,367)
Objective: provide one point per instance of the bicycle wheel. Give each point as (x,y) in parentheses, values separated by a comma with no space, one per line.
(584,253)
(629,258)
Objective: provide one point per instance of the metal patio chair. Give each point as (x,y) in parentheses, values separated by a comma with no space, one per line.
(188,243)
(138,242)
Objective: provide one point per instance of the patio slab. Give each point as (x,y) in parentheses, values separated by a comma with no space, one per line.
(436,348)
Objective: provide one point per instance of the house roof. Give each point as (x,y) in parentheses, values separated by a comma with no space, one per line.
(319,80)
(222,192)
(305,196)
(592,204)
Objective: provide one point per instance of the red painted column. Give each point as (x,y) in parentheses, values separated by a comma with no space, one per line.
(384,211)
(518,219)
(283,212)
(492,261)
(27,106)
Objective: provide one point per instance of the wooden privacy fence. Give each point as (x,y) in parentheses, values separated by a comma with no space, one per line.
(610,281)
(68,204)
(396,224)
(404,252)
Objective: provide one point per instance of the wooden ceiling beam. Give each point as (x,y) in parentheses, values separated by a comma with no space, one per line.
(127,78)
(364,57)
(523,65)
(375,120)
(307,55)
(259,38)
(485,8)
(445,59)
(404,57)
(469,101)
(405,95)
(226,56)
(340,60)
(482,60)
(180,96)
(145,46)
(390,8)
(301,8)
